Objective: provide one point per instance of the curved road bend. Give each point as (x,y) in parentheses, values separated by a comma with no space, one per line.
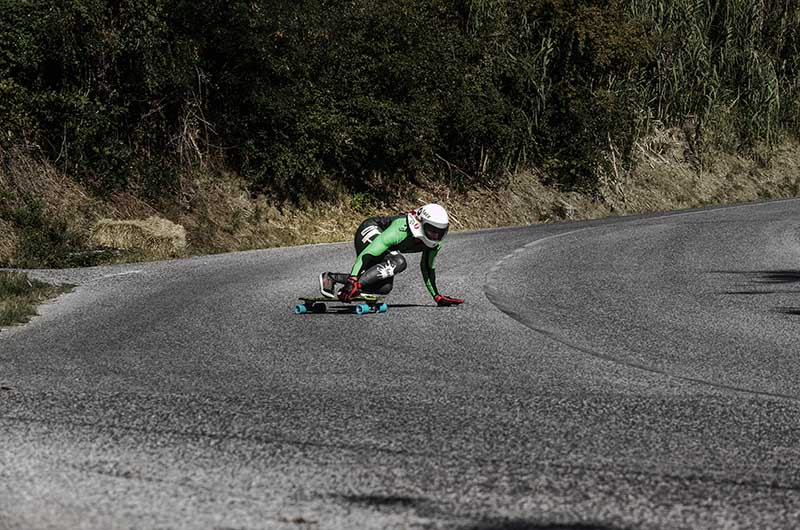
(637,372)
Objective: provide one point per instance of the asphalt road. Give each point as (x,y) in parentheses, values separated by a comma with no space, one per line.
(635,373)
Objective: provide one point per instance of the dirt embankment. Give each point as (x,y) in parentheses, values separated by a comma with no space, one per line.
(46,219)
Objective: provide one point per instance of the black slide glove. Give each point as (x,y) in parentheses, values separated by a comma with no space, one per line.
(350,289)
(443,301)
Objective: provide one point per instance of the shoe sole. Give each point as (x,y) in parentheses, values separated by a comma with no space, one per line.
(322,290)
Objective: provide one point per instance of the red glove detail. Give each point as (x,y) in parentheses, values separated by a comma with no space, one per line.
(443,301)
(350,289)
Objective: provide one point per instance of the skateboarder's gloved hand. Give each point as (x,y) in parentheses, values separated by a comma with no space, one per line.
(350,289)
(442,300)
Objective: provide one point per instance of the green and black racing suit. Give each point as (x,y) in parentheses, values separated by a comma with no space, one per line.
(380,243)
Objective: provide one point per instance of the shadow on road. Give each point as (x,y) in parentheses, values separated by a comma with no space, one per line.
(774,279)
(520,524)
(766,277)
(385,500)
(417,503)
(349,310)
(423,505)
(784,276)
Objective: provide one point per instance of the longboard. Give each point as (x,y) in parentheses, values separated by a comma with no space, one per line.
(360,305)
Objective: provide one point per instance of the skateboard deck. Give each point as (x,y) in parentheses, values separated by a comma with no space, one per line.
(360,305)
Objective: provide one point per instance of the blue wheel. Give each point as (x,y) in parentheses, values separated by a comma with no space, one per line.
(384,307)
(300,309)
(362,308)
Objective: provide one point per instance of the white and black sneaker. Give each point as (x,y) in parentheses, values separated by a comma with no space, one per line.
(327,285)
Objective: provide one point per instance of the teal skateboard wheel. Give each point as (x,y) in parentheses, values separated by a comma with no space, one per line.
(362,308)
(384,307)
(300,309)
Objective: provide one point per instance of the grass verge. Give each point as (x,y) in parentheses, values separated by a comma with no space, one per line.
(19,296)
(48,220)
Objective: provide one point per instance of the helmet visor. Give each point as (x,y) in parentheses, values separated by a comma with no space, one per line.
(434,233)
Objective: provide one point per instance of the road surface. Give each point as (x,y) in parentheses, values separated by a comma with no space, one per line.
(632,373)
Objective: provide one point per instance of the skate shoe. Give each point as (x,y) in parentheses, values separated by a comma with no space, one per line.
(327,285)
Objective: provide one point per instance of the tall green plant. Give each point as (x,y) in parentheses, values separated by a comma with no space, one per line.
(714,57)
(306,98)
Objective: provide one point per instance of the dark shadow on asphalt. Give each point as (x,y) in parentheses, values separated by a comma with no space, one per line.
(784,276)
(744,293)
(773,278)
(521,524)
(768,277)
(405,502)
(348,310)
(751,292)
(763,278)
(399,501)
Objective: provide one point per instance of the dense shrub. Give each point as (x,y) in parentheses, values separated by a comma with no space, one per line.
(306,98)
(98,86)
(43,240)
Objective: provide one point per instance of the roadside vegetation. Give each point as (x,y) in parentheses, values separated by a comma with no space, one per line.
(19,295)
(152,128)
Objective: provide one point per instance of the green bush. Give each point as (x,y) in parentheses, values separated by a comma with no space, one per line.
(306,98)
(103,85)
(43,240)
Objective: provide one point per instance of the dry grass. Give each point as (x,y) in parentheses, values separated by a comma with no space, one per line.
(216,213)
(24,177)
(8,242)
(154,236)
(666,179)
(19,295)
(57,208)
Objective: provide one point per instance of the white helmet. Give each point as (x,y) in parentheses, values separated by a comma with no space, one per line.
(429,224)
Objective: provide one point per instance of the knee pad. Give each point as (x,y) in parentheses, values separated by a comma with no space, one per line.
(394,264)
(397,262)
(383,272)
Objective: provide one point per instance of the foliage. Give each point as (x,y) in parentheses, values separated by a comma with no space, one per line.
(44,240)
(305,99)
(94,84)
(714,60)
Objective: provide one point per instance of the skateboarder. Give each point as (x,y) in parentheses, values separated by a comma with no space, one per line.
(380,244)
